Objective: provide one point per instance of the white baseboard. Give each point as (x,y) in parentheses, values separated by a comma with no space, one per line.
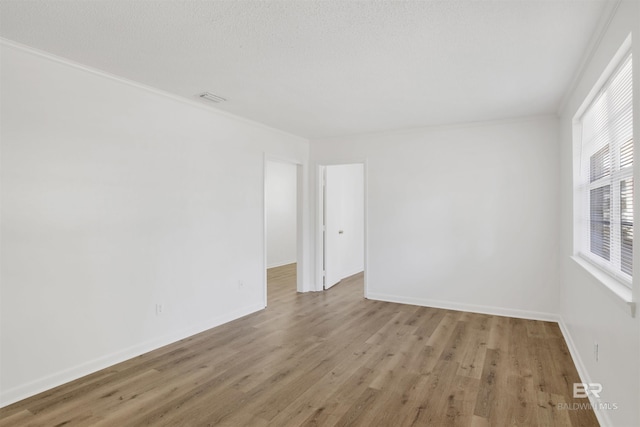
(280,264)
(353,272)
(603,417)
(15,394)
(449,305)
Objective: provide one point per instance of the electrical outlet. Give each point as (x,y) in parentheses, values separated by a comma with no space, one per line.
(159,309)
(240,284)
(595,351)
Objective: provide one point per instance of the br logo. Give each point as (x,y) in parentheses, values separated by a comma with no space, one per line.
(582,390)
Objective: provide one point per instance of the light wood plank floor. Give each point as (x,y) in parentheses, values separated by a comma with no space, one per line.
(331,358)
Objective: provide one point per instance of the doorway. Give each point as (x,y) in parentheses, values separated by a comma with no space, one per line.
(343,222)
(282,209)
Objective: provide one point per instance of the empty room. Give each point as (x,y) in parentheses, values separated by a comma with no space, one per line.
(319,213)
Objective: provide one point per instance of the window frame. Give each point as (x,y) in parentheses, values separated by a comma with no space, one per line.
(621,282)
(613,181)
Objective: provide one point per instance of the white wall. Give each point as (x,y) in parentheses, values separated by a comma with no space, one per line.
(590,313)
(344,211)
(116,198)
(281,207)
(462,217)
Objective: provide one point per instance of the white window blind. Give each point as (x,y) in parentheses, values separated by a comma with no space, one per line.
(605,184)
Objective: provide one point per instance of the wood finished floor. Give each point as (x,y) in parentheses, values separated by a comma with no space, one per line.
(332,358)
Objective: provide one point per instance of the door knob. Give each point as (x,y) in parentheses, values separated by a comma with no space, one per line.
(340,231)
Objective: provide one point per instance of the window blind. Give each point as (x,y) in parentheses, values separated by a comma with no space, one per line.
(606,178)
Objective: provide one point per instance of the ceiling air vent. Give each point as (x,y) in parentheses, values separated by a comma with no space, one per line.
(212,97)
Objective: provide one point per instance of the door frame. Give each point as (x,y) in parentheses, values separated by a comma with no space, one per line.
(300,259)
(320,212)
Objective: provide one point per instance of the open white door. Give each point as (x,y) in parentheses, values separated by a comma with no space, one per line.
(332,231)
(344,222)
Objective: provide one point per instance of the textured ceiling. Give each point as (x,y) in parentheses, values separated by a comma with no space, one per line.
(328,68)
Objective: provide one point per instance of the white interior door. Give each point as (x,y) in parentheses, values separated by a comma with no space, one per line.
(344,222)
(333,232)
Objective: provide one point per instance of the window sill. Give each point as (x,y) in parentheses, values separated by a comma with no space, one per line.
(621,293)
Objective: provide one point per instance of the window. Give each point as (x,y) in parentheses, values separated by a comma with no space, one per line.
(604,183)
